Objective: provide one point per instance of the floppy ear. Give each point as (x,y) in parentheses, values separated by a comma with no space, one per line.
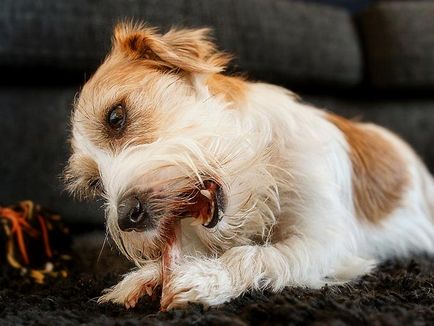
(190,50)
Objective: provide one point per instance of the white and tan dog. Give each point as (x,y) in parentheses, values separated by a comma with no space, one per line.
(215,186)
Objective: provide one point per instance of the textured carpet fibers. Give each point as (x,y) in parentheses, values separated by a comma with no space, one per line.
(398,293)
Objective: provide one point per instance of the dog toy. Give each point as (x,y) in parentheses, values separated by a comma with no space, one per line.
(34,241)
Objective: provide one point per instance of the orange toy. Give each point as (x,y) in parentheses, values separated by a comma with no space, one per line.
(34,240)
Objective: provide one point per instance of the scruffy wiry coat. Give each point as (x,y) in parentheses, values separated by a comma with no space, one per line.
(309,197)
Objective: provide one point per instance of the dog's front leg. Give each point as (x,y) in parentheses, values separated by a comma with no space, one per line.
(134,285)
(206,281)
(292,262)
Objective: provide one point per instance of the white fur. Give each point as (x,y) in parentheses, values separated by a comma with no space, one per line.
(290,218)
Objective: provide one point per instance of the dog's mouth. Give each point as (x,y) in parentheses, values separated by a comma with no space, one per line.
(205,205)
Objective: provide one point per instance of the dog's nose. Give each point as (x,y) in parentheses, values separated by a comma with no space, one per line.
(132,215)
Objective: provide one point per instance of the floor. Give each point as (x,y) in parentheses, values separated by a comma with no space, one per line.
(398,293)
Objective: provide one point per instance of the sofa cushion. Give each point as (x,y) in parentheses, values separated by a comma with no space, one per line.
(280,40)
(399,43)
(34,147)
(351,5)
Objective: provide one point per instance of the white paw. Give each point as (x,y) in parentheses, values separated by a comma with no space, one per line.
(199,281)
(134,285)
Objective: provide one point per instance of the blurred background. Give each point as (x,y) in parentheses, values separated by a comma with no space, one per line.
(373,60)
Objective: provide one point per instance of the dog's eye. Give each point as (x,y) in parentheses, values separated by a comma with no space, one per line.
(116,117)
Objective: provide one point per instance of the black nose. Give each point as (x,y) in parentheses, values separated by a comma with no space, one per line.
(132,215)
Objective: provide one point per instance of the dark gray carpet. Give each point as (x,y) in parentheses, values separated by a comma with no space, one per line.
(399,293)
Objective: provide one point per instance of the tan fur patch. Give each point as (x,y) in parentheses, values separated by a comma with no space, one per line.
(233,89)
(190,50)
(119,81)
(379,171)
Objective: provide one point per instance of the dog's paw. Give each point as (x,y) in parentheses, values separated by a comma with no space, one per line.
(128,291)
(201,281)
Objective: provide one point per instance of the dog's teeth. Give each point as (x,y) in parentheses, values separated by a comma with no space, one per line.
(206,193)
(210,216)
(148,290)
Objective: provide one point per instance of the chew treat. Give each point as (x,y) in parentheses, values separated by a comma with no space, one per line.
(203,206)
(171,257)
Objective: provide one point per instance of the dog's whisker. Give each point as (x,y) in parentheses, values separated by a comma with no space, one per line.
(102,248)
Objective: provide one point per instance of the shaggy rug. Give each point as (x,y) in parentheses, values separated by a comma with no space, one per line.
(398,293)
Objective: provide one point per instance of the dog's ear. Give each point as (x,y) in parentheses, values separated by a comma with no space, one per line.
(190,50)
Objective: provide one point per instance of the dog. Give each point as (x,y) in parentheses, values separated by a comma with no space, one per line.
(215,185)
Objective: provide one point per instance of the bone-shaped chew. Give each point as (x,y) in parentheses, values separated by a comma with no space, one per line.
(171,257)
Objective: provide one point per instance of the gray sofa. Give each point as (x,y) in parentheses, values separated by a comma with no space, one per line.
(372,60)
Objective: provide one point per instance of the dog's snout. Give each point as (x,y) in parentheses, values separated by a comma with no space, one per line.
(133,215)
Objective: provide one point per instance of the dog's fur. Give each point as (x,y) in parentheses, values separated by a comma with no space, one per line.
(310,198)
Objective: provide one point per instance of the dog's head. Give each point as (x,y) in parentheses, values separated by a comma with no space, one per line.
(158,132)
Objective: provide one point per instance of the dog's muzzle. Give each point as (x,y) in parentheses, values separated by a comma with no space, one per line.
(133,215)
(204,203)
